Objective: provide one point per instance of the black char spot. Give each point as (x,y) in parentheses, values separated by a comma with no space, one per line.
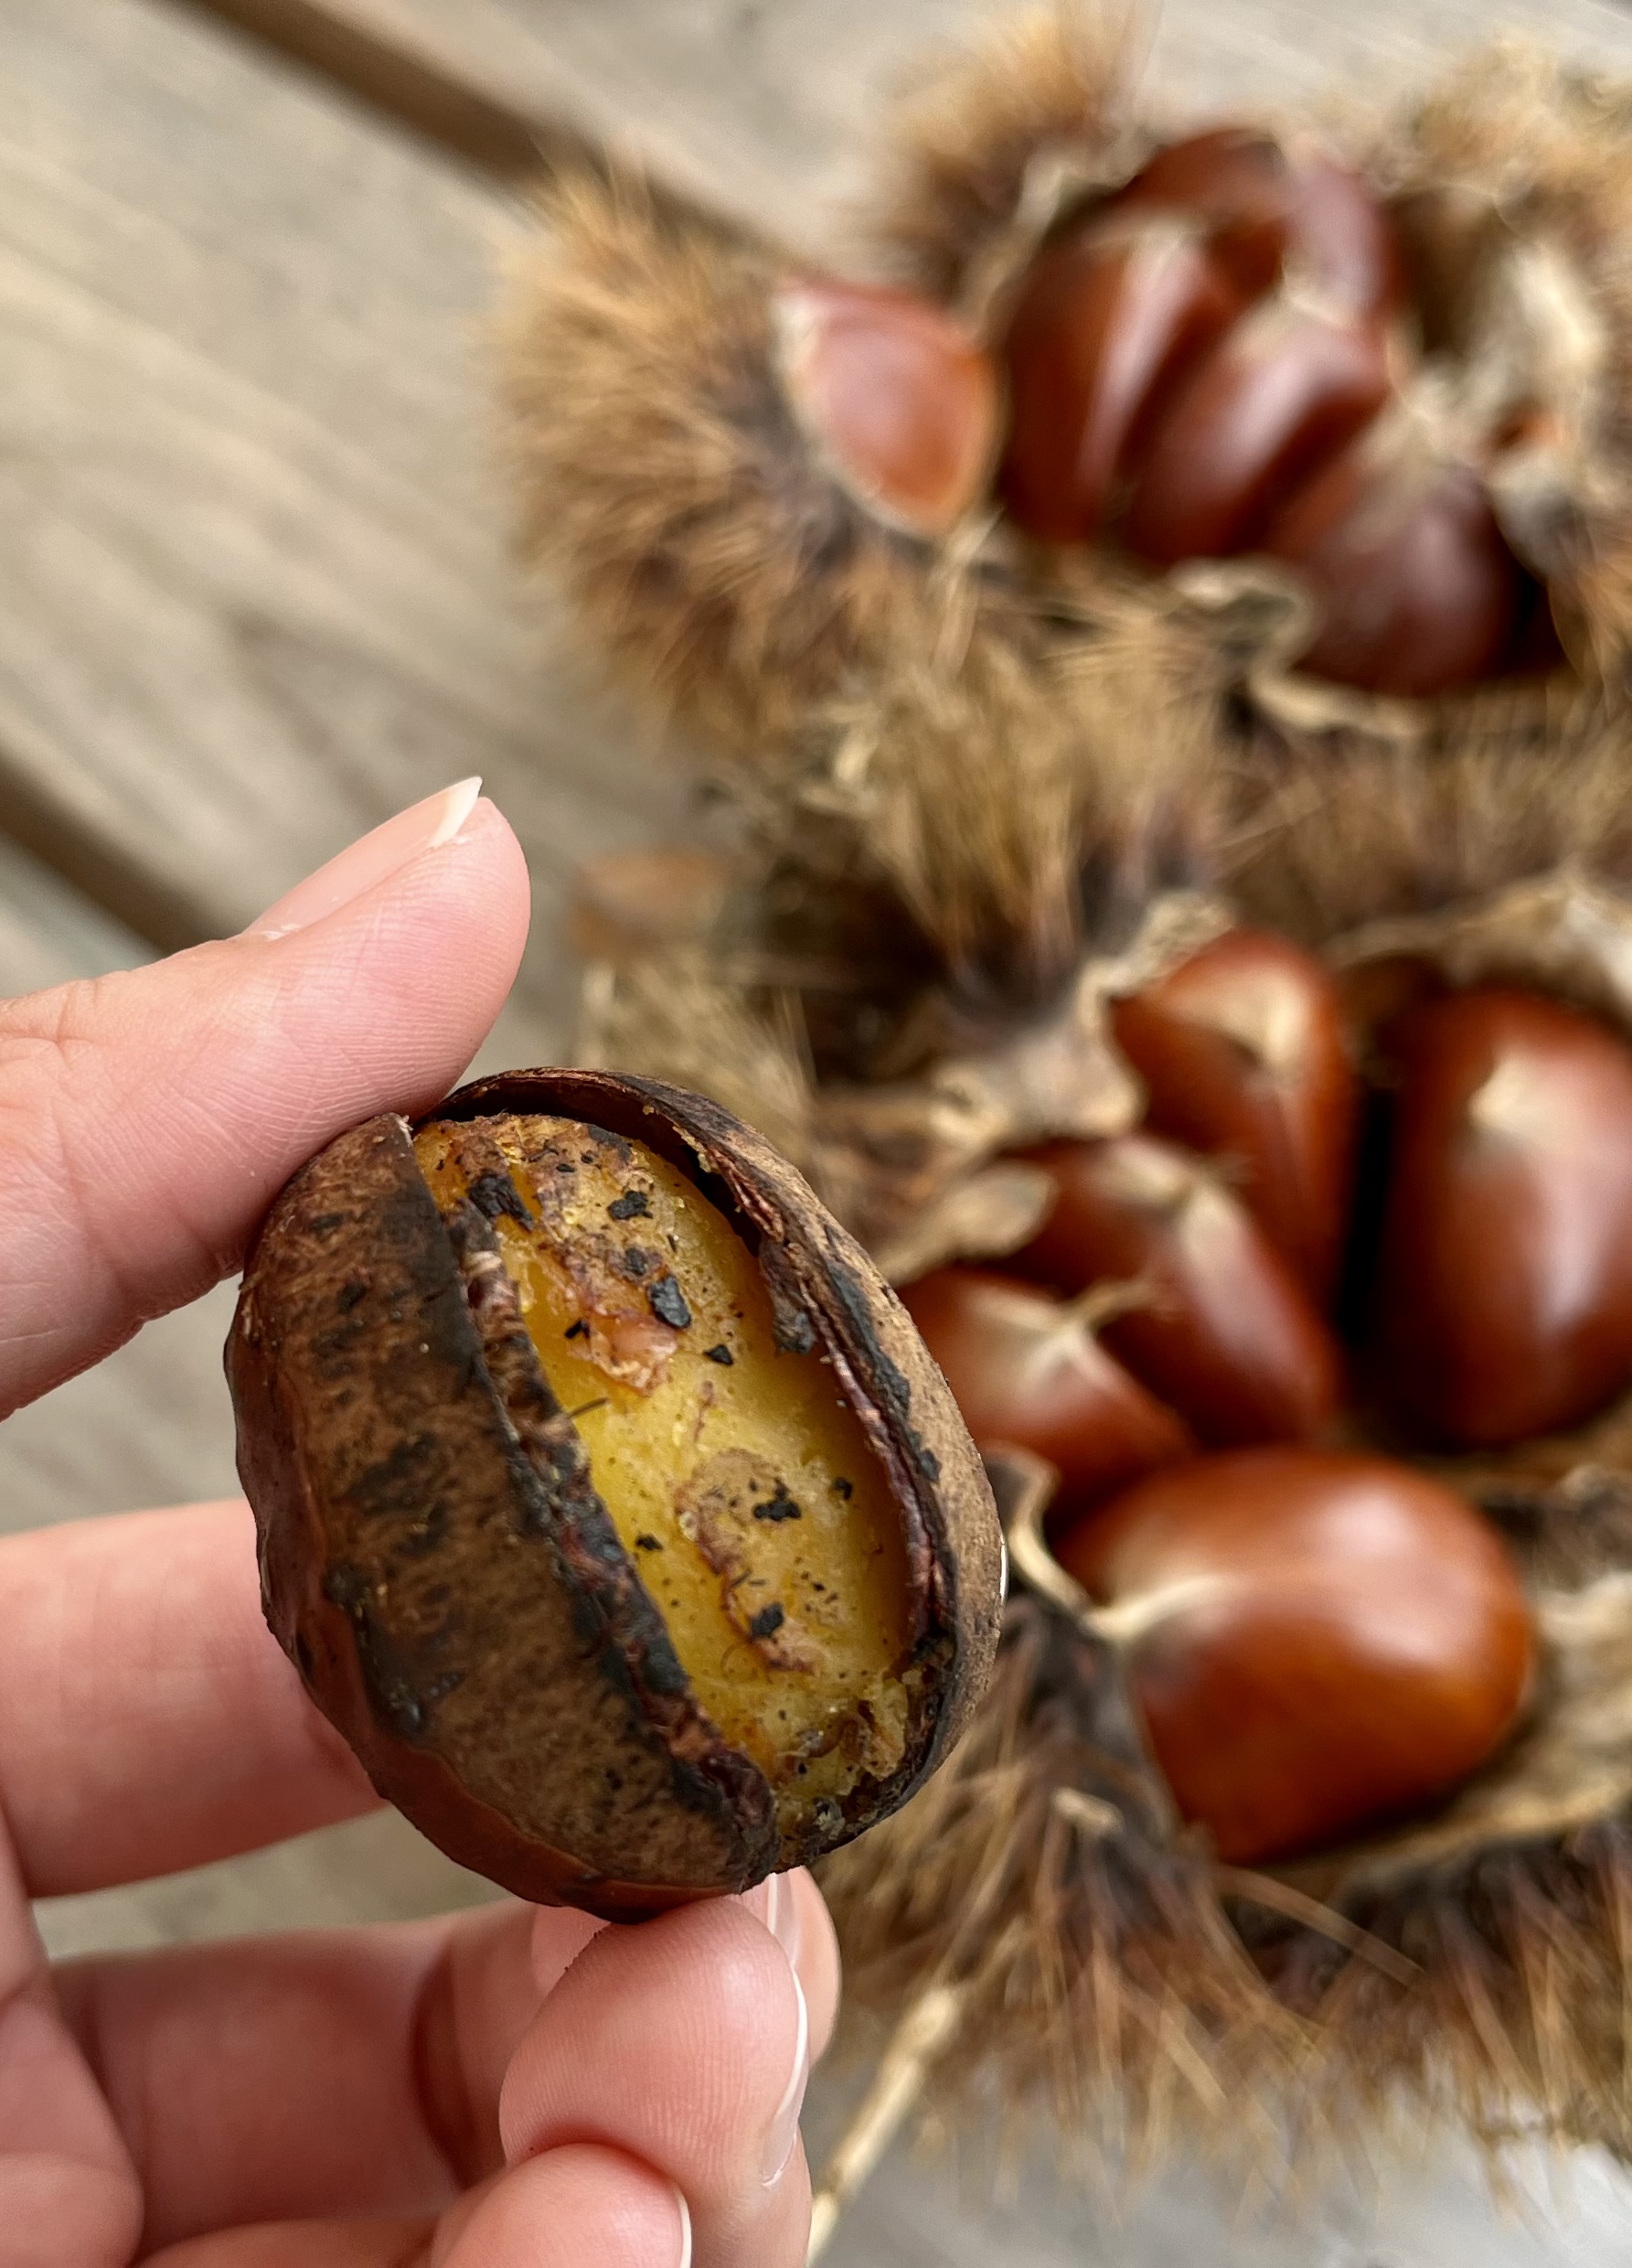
(669,1303)
(781,1506)
(580,1330)
(841,1487)
(637,1261)
(496,1195)
(767,1621)
(648,1543)
(633,1205)
(720,1354)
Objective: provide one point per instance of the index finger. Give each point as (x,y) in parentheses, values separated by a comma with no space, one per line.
(147,1119)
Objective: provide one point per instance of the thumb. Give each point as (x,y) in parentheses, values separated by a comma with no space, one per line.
(147,1119)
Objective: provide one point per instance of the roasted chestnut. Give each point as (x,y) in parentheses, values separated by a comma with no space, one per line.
(1105,326)
(1504,1294)
(1029,1371)
(1417,589)
(1227,1335)
(607,1501)
(1244,1056)
(1275,400)
(1315,1641)
(900,400)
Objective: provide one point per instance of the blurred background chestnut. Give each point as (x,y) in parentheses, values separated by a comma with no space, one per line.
(1316,1641)
(1417,590)
(1503,1305)
(1275,400)
(899,400)
(1272,212)
(1229,1336)
(1028,1369)
(1243,1053)
(1106,325)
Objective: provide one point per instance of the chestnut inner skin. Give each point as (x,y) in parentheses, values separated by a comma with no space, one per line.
(437,1562)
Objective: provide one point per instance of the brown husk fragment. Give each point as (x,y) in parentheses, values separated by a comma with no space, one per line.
(436,1562)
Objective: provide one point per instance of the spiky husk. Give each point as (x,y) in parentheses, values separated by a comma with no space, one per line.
(1512,182)
(662,479)
(974,791)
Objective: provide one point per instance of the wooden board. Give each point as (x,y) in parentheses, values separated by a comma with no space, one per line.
(769,108)
(252,553)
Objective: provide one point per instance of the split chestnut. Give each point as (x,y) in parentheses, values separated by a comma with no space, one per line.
(1317,1642)
(1228,1336)
(1504,1299)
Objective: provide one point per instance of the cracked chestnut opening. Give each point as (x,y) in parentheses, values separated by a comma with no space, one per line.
(738,1477)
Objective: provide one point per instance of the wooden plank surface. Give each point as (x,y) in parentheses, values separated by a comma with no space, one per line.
(768,106)
(255,582)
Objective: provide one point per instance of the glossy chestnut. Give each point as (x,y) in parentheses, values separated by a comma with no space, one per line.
(1417,590)
(1028,1370)
(1271,210)
(1107,324)
(1243,1053)
(1229,1337)
(1278,397)
(1316,1641)
(1504,1298)
(898,398)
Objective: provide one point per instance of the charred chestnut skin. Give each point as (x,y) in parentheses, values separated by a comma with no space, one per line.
(437,1565)
(1503,1303)
(1027,1370)
(1228,1336)
(1243,1056)
(1317,1641)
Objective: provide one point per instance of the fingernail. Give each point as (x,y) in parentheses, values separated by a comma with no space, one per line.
(783,2136)
(685,2227)
(782,1915)
(423,827)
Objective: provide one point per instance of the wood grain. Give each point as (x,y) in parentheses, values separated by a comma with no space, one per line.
(769,107)
(252,549)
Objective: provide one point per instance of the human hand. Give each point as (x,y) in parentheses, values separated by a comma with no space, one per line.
(513,2086)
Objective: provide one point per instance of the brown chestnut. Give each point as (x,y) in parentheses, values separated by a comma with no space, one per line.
(1228,1336)
(1316,1641)
(607,1501)
(1504,1293)
(1243,1055)
(1271,211)
(1277,399)
(1029,1371)
(1417,589)
(898,398)
(1105,324)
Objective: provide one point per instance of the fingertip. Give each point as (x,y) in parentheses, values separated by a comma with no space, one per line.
(579,2203)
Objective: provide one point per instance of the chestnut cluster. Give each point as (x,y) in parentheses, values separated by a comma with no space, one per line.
(1221,358)
(1302,1258)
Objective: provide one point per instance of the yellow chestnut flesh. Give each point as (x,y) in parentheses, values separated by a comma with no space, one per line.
(735,1472)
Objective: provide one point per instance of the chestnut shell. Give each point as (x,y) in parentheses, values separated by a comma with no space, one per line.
(435,1560)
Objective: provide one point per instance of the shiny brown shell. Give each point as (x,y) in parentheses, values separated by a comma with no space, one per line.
(436,1562)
